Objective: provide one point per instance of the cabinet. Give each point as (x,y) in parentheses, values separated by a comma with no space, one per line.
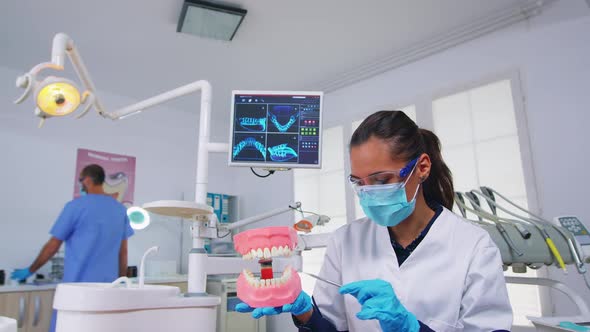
(13,305)
(228,320)
(32,310)
(40,310)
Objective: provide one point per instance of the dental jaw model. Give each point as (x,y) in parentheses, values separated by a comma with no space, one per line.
(264,244)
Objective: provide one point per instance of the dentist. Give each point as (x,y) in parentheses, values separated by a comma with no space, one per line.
(412,264)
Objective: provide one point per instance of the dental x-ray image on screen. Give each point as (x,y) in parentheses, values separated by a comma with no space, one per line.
(276,129)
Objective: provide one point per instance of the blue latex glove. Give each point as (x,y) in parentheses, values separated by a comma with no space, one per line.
(378,301)
(301,305)
(20,274)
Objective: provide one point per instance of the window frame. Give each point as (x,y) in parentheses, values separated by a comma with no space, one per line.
(519,102)
(520,113)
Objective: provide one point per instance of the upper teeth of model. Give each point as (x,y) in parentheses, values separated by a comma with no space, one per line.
(262,253)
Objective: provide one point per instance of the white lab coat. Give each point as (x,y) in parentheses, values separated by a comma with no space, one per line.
(453,281)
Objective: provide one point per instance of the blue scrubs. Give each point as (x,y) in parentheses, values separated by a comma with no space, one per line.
(92,227)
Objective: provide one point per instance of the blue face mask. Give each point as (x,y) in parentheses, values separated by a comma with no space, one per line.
(387,204)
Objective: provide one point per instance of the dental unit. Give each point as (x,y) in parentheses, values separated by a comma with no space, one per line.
(489,195)
(516,246)
(529,240)
(482,215)
(550,244)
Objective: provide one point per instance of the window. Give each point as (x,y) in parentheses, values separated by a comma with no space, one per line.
(322,191)
(479,136)
(410,111)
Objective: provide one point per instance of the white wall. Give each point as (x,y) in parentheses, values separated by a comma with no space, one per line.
(553,60)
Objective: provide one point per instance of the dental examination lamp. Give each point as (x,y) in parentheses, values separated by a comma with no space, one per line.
(57,96)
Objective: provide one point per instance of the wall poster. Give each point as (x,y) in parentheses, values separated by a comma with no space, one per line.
(119,173)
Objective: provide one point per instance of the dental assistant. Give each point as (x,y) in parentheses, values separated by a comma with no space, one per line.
(95,228)
(411,264)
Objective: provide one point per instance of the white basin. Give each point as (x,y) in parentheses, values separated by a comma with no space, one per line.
(7,324)
(97,307)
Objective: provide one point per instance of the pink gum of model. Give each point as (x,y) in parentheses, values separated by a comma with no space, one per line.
(282,290)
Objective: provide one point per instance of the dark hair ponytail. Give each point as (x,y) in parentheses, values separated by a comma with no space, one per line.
(438,186)
(407,141)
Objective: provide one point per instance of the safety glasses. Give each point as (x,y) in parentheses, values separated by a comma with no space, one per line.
(384,177)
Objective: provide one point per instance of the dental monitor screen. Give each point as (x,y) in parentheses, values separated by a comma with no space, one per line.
(276,129)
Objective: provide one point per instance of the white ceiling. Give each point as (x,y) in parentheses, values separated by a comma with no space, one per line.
(131,47)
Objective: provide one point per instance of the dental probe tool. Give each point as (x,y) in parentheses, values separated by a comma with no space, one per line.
(322,279)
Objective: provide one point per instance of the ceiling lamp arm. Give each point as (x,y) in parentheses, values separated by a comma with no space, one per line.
(64,45)
(88,98)
(187,89)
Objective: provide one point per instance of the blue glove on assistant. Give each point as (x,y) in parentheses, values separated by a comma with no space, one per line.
(20,274)
(301,305)
(378,301)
